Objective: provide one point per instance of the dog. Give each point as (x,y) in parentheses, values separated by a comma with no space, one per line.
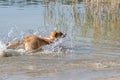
(30,43)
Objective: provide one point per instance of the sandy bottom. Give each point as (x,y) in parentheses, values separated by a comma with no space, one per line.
(58,68)
(83,64)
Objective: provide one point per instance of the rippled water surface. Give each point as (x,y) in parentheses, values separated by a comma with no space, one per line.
(90,51)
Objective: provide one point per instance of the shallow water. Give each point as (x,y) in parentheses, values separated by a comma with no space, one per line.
(87,52)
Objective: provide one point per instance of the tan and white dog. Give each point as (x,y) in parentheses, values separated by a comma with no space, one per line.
(30,43)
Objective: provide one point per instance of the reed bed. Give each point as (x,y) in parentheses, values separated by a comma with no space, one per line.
(105,16)
(97,19)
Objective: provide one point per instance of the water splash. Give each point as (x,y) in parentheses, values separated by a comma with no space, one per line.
(57,48)
(2,46)
(9,52)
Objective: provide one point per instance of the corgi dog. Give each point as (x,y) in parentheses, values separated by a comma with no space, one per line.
(30,43)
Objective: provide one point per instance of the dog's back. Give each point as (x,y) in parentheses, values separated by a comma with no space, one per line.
(34,42)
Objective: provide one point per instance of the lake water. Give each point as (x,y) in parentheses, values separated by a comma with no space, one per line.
(90,51)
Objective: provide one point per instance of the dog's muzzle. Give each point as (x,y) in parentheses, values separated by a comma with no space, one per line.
(64,35)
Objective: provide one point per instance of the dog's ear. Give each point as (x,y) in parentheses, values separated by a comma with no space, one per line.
(58,34)
(55,35)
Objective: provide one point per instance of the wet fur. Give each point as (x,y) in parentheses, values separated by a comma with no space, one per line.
(34,42)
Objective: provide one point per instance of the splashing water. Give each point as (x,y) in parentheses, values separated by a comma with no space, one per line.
(2,46)
(58,48)
(13,35)
(9,52)
(55,49)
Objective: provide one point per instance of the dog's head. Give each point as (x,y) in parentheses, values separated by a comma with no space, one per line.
(56,34)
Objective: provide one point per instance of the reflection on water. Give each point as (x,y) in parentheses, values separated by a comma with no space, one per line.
(92,45)
(20,3)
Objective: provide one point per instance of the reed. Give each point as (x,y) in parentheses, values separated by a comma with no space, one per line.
(105,17)
(99,20)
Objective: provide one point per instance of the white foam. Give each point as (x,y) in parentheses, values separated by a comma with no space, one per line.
(10,52)
(2,46)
